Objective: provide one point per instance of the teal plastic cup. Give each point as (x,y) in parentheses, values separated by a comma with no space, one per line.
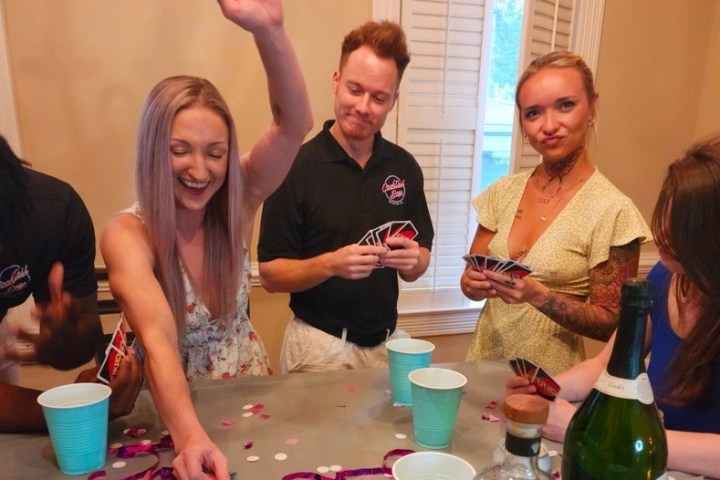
(404,356)
(436,394)
(77,419)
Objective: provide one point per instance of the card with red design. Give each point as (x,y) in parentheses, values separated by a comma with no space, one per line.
(545,385)
(114,353)
(511,268)
(378,236)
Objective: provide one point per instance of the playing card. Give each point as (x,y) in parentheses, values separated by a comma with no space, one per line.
(114,353)
(109,367)
(517,270)
(545,385)
(365,240)
(404,229)
(380,233)
(515,366)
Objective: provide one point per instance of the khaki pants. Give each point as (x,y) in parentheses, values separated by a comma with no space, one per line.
(308,349)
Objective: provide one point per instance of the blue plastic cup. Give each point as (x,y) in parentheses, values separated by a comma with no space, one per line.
(436,394)
(77,419)
(404,356)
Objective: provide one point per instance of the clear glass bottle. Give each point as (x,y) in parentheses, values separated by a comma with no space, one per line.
(526,415)
(617,432)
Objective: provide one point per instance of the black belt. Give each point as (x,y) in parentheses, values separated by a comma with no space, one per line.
(361,339)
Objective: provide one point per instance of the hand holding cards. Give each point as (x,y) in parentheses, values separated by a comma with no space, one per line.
(511,268)
(545,385)
(378,236)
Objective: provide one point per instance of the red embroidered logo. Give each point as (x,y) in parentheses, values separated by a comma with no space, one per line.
(394,190)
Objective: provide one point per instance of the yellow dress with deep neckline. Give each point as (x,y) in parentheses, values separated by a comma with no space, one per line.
(598,217)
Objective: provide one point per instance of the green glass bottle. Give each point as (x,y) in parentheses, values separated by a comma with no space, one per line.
(617,433)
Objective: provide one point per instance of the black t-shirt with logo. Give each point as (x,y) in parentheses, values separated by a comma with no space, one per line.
(326,202)
(59,228)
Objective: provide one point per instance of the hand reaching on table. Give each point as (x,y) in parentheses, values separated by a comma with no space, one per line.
(201,461)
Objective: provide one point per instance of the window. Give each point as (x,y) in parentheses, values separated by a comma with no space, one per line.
(441,120)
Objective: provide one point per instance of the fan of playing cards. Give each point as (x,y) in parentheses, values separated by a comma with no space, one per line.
(543,382)
(511,268)
(377,236)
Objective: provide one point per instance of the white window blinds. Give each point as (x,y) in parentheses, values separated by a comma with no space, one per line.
(438,118)
(547,26)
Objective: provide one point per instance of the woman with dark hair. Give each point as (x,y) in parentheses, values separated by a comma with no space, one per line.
(178,261)
(683,330)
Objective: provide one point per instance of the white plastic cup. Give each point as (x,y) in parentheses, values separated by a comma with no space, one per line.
(77,419)
(432,466)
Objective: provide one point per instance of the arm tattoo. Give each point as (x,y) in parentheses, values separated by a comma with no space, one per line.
(597,316)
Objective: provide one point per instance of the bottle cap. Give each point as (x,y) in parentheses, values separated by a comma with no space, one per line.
(523,408)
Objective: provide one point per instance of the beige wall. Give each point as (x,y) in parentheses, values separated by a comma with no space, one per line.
(82,68)
(654,78)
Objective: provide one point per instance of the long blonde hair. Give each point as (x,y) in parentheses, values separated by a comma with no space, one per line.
(224,244)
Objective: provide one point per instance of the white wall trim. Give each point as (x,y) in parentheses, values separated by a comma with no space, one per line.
(8,114)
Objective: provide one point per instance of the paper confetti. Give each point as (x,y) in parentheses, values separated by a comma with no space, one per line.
(490,418)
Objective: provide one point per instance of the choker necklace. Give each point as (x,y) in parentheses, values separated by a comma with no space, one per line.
(559,169)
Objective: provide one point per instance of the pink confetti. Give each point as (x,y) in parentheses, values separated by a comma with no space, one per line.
(351,389)
(248,445)
(491,405)
(292,441)
(490,418)
(263,417)
(135,432)
(228,422)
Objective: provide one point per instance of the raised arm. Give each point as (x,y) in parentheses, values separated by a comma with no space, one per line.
(129,260)
(269,160)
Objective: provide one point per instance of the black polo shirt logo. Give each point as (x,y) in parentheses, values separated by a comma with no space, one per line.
(13,280)
(394,190)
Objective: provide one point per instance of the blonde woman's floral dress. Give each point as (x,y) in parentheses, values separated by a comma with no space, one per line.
(211,348)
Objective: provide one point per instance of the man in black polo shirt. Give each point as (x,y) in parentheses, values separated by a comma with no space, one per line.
(344,182)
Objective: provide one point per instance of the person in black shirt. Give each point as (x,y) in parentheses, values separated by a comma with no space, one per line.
(344,182)
(47,249)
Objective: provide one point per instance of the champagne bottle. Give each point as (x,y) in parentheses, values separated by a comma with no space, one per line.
(617,433)
(526,415)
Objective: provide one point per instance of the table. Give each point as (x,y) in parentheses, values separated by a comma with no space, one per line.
(341,418)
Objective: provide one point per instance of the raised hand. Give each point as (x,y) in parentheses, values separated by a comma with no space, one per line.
(253,15)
